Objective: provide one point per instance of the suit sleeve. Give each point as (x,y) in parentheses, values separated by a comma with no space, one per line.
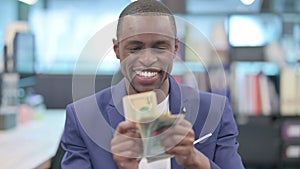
(226,155)
(76,153)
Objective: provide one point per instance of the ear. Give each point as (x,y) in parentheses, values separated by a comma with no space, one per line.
(116,48)
(176,47)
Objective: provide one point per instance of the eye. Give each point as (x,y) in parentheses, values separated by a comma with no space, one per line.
(134,49)
(160,49)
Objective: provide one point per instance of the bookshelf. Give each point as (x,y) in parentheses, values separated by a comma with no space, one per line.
(270,124)
(259,76)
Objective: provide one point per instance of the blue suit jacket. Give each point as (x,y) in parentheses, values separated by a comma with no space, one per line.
(91,121)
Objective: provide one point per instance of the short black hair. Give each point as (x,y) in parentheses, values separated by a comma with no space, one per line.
(146,7)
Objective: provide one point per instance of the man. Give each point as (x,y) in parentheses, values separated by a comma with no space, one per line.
(146,45)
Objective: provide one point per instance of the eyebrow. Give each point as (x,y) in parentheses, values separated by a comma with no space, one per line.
(156,43)
(135,42)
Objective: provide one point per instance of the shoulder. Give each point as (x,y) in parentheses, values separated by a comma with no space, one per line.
(102,95)
(100,98)
(205,97)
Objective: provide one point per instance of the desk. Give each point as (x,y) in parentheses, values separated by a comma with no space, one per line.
(32,144)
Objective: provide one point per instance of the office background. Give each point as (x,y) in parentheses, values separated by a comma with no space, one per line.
(257,42)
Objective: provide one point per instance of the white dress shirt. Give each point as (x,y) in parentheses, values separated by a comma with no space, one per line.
(162,108)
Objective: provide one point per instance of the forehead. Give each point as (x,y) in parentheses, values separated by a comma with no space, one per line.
(133,25)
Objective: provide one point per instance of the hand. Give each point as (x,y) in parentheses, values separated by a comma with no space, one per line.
(126,146)
(180,143)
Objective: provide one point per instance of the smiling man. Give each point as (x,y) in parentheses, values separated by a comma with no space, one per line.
(146,52)
(146,46)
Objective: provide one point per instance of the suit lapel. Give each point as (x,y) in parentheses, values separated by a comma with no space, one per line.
(115,110)
(185,101)
(174,97)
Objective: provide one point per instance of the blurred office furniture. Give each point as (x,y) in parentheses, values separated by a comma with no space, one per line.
(18,72)
(56,160)
(57,89)
(259,142)
(24,59)
(9,100)
(33,144)
(290,135)
(269,142)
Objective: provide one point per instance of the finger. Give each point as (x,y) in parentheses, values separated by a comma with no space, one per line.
(118,138)
(180,150)
(128,154)
(133,145)
(126,163)
(185,123)
(183,154)
(182,128)
(178,133)
(177,140)
(126,126)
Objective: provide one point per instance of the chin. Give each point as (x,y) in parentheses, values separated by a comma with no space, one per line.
(144,89)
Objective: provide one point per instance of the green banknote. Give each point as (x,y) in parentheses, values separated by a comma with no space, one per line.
(140,106)
(156,131)
(142,109)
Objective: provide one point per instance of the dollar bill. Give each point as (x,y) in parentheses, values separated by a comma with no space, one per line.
(140,106)
(154,133)
(142,109)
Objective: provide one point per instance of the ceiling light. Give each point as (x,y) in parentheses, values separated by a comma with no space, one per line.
(247,2)
(29,2)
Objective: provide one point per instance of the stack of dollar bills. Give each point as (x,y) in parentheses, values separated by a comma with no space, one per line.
(142,109)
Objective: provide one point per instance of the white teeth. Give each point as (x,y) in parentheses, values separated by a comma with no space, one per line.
(146,74)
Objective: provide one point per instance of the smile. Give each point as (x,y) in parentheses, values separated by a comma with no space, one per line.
(146,74)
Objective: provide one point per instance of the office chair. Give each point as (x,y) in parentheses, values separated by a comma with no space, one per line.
(56,160)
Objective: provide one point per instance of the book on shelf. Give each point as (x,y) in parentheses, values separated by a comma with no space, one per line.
(290,130)
(288,91)
(291,151)
(253,93)
(240,95)
(265,95)
(257,94)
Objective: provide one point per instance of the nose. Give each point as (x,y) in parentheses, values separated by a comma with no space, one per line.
(148,57)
